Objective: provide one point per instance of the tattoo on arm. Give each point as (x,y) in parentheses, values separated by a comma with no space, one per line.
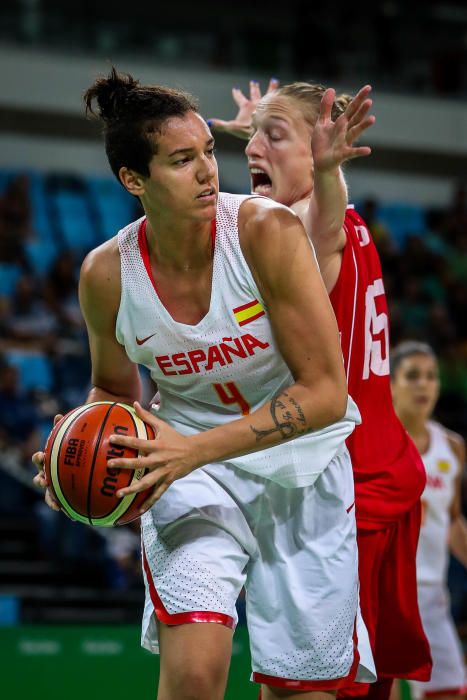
(288,417)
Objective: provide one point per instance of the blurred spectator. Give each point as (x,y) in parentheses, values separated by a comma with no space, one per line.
(379,231)
(457,258)
(455,220)
(124,548)
(440,330)
(71,370)
(61,294)
(30,320)
(15,208)
(78,549)
(458,307)
(452,406)
(19,417)
(414,311)
(12,247)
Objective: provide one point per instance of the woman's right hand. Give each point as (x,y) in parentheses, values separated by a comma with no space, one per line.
(241,126)
(40,479)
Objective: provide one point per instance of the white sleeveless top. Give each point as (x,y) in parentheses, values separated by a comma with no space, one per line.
(226,365)
(442,467)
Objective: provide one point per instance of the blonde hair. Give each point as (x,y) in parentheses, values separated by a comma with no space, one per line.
(308,97)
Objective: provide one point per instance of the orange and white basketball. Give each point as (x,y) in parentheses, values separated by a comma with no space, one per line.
(76,456)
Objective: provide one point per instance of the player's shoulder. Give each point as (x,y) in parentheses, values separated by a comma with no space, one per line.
(100,274)
(353,219)
(101,260)
(455,441)
(457,444)
(260,218)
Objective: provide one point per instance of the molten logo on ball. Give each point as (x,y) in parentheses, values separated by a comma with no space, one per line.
(110,480)
(77,469)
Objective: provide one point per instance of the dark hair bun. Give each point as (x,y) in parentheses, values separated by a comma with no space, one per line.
(111,94)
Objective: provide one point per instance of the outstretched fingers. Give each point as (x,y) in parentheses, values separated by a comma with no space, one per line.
(355,104)
(219,125)
(154,480)
(325,108)
(40,480)
(255,91)
(239,98)
(273,85)
(361,113)
(356,131)
(358,152)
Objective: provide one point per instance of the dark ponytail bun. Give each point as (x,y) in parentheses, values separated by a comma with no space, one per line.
(112,95)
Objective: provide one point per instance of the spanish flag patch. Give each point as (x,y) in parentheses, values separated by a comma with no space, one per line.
(443,465)
(248,312)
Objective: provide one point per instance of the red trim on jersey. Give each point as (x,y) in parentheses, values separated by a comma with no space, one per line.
(445,691)
(213,234)
(328,684)
(144,250)
(251,318)
(347,510)
(186,617)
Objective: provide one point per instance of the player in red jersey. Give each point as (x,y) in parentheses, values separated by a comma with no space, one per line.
(299,137)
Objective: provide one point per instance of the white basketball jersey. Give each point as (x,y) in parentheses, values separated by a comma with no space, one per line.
(442,467)
(225,366)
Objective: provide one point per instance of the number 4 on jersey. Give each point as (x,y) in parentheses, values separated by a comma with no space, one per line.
(230,394)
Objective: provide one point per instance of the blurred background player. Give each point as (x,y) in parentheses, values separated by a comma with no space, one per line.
(415,386)
(210,293)
(300,135)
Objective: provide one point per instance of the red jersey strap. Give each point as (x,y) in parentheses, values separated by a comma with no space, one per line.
(144,248)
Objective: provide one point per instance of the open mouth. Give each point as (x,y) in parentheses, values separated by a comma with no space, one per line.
(261,183)
(207,193)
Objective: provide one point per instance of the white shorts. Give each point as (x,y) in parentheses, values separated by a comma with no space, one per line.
(448,672)
(294,550)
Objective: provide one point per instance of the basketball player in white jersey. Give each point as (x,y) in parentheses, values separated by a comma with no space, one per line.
(221,298)
(415,385)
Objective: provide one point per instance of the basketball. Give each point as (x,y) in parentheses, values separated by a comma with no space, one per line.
(76,456)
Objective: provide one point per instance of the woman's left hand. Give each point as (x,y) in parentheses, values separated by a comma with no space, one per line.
(332,142)
(169,456)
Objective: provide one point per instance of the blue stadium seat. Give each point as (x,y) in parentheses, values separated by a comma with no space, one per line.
(41,221)
(9,275)
(402,219)
(5,176)
(34,369)
(75,220)
(115,207)
(40,255)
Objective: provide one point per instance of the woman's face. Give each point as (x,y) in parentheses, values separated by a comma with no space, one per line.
(279,152)
(415,386)
(183,181)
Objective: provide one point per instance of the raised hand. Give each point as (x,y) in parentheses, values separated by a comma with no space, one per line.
(332,143)
(241,126)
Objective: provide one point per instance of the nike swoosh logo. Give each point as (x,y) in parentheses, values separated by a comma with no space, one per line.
(143,340)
